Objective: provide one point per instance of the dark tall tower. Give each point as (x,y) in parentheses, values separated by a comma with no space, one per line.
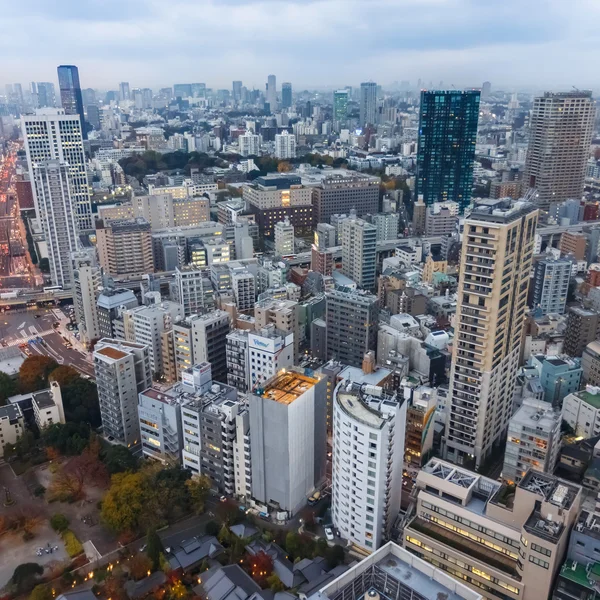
(447,137)
(286,95)
(70,93)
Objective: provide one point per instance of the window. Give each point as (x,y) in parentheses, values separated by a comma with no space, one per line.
(541,549)
(538,562)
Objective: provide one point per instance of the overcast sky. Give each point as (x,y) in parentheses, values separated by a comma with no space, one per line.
(312,43)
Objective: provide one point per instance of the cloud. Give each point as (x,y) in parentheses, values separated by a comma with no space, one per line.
(321,43)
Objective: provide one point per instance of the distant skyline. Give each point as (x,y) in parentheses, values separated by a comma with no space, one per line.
(515,44)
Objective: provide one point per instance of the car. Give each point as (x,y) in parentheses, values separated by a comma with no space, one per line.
(143,548)
(314,499)
(329,534)
(223,499)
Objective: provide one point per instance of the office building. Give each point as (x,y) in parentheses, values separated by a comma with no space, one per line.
(125,247)
(560,134)
(551,285)
(269,351)
(86,282)
(495,269)
(583,327)
(236,88)
(284,238)
(441,218)
(387,225)
(581,410)
(285,145)
(573,243)
(124,91)
(271,95)
(284,315)
(274,197)
(46,96)
(533,440)
(52,135)
(122,372)
(12,425)
(54,205)
(109,306)
(48,406)
(288,466)
(202,338)
(421,403)
(159,411)
(392,573)
(368,445)
(368,104)
(351,319)
(446,151)
(238,374)
(70,94)
(501,541)
(340,110)
(249,144)
(243,285)
(339,193)
(558,376)
(286,95)
(193,290)
(359,244)
(590,363)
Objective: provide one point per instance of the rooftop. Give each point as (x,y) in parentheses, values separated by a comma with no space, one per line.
(366,403)
(12,412)
(589,397)
(43,399)
(111,352)
(287,386)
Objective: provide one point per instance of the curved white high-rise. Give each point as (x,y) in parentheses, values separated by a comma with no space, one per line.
(368,444)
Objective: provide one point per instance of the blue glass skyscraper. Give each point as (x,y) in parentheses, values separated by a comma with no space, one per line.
(447,138)
(70,93)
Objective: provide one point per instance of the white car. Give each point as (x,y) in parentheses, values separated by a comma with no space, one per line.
(329,534)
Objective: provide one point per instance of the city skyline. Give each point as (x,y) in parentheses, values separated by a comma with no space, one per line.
(150,44)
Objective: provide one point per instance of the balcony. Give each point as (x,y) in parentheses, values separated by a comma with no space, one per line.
(470,548)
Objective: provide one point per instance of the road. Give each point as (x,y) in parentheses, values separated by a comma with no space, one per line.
(16,328)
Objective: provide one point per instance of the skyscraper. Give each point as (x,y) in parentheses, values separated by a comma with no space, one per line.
(52,135)
(124,91)
(70,93)
(447,137)
(286,94)
(359,246)
(272,92)
(46,94)
(55,212)
(368,103)
(87,282)
(237,91)
(340,109)
(559,145)
(494,278)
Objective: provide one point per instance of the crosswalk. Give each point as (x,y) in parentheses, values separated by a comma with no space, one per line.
(25,338)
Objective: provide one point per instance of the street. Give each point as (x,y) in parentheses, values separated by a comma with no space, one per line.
(17,328)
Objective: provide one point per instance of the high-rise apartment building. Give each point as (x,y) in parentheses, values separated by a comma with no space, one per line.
(590,363)
(368,448)
(249,144)
(559,145)
(272,92)
(446,151)
(286,94)
(55,209)
(351,325)
(283,232)
(368,104)
(193,290)
(551,285)
(340,109)
(287,466)
(86,282)
(110,303)
(583,327)
(122,371)
(284,315)
(70,94)
(494,278)
(52,135)
(285,145)
(503,542)
(359,246)
(125,246)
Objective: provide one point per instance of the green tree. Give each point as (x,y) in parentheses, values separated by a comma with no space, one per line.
(211,528)
(335,556)
(154,548)
(34,372)
(24,446)
(70,439)
(44,265)
(41,592)
(198,488)
(118,459)
(126,502)
(59,522)
(8,387)
(275,584)
(80,399)
(293,544)
(25,576)
(224,536)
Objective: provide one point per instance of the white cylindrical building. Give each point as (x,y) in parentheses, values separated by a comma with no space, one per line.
(368,445)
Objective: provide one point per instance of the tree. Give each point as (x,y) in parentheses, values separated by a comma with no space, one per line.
(335,556)
(44,265)
(114,587)
(154,548)
(293,544)
(25,576)
(34,372)
(118,459)
(284,167)
(275,584)
(24,445)
(64,375)
(68,438)
(139,566)
(59,522)
(261,567)
(80,399)
(126,501)
(198,488)
(224,536)
(211,528)
(41,592)
(8,387)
